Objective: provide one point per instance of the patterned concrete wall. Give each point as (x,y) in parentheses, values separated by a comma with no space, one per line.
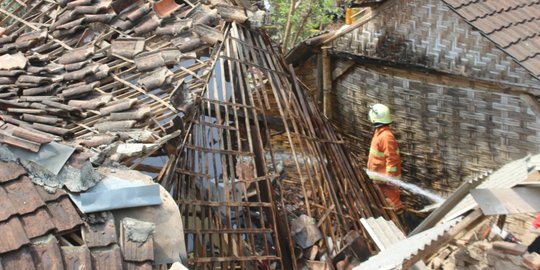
(427,33)
(445,133)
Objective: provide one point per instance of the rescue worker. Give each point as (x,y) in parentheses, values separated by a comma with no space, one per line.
(384,159)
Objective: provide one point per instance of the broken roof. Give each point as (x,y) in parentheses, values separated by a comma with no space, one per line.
(35,220)
(514,26)
(121,81)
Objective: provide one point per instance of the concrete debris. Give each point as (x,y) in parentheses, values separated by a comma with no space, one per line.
(478,255)
(126,150)
(12,61)
(305,231)
(532,260)
(140,136)
(138,231)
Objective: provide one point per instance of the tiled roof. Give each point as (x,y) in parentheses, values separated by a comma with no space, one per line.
(513,25)
(71,81)
(31,218)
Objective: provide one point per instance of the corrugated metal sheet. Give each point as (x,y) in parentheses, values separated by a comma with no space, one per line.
(503,201)
(383,232)
(506,177)
(394,256)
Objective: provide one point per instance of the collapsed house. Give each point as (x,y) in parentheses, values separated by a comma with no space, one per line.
(195,95)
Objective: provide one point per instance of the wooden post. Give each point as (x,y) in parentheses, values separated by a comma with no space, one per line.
(327,83)
(319,94)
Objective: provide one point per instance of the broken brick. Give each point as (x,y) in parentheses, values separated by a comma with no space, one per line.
(510,248)
(532,260)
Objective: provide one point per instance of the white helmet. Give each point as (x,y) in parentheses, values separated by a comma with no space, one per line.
(379,114)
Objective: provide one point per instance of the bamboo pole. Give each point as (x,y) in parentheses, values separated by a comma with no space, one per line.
(327,83)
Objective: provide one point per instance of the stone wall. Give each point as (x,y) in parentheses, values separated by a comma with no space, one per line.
(428,33)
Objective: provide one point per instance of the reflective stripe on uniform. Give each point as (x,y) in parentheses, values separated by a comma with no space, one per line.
(376,153)
(376,178)
(391,168)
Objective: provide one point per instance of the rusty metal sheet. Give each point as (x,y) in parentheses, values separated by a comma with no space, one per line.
(508,201)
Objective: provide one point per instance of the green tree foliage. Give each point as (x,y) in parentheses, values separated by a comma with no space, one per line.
(10,6)
(306,18)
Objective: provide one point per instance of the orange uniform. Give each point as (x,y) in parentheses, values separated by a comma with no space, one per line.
(384,159)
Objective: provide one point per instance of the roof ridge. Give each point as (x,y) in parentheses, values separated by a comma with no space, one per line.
(507,9)
(466,4)
(507,26)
